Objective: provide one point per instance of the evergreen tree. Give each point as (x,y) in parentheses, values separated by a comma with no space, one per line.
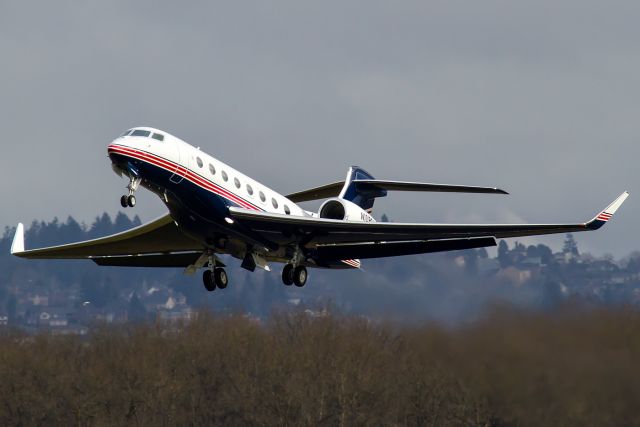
(136,311)
(503,254)
(71,231)
(545,254)
(101,227)
(122,222)
(12,303)
(471,261)
(570,246)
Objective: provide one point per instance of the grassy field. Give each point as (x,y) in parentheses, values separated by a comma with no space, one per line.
(571,367)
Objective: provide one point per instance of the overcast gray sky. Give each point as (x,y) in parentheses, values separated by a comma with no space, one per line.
(541,98)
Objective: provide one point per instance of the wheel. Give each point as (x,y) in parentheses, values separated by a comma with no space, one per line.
(220,276)
(287,275)
(207,279)
(131,201)
(300,276)
(123,201)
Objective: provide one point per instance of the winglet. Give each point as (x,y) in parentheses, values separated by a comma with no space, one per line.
(18,240)
(607,213)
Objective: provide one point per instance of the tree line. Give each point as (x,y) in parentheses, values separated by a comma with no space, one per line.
(575,366)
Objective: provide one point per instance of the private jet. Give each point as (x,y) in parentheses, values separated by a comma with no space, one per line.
(215,209)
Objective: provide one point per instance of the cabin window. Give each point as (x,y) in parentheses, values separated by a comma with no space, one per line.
(140,132)
(286,210)
(249,190)
(212,169)
(236,181)
(262,196)
(274,202)
(158,136)
(199,162)
(224,176)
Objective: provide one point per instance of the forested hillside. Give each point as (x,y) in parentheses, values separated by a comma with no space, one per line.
(448,287)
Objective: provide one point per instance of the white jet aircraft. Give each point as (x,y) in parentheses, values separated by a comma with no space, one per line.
(214,209)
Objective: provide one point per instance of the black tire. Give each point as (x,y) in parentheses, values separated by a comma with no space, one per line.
(221,279)
(131,201)
(300,276)
(123,201)
(207,279)
(287,275)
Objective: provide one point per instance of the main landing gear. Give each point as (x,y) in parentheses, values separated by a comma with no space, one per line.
(129,200)
(216,278)
(294,275)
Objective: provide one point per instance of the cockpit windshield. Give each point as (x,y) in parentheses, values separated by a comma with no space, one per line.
(143,133)
(139,132)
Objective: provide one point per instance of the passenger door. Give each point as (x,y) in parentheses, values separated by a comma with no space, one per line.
(183,163)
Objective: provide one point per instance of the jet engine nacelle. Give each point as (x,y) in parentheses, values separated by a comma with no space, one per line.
(342,209)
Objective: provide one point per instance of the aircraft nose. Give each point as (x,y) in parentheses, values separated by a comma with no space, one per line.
(116,152)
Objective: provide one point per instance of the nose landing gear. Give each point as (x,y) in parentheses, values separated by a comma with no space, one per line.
(129,200)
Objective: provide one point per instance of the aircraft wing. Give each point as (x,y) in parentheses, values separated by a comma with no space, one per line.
(389,249)
(316,231)
(160,237)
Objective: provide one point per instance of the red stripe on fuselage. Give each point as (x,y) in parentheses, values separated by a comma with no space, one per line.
(175,168)
(185,173)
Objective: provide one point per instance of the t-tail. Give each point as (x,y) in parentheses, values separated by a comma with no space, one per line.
(363,189)
(363,196)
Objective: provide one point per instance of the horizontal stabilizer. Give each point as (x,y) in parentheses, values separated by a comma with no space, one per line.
(317,193)
(377,185)
(390,249)
(424,186)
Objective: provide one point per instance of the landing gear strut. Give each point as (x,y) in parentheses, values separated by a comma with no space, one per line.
(294,275)
(129,200)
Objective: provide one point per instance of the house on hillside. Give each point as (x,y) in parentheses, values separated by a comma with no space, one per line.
(53,317)
(183,314)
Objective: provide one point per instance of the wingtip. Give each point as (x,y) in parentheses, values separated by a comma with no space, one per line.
(18,240)
(605,215)
(613,207)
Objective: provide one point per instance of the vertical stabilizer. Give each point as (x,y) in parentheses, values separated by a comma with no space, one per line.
(363,197)
(18,240)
